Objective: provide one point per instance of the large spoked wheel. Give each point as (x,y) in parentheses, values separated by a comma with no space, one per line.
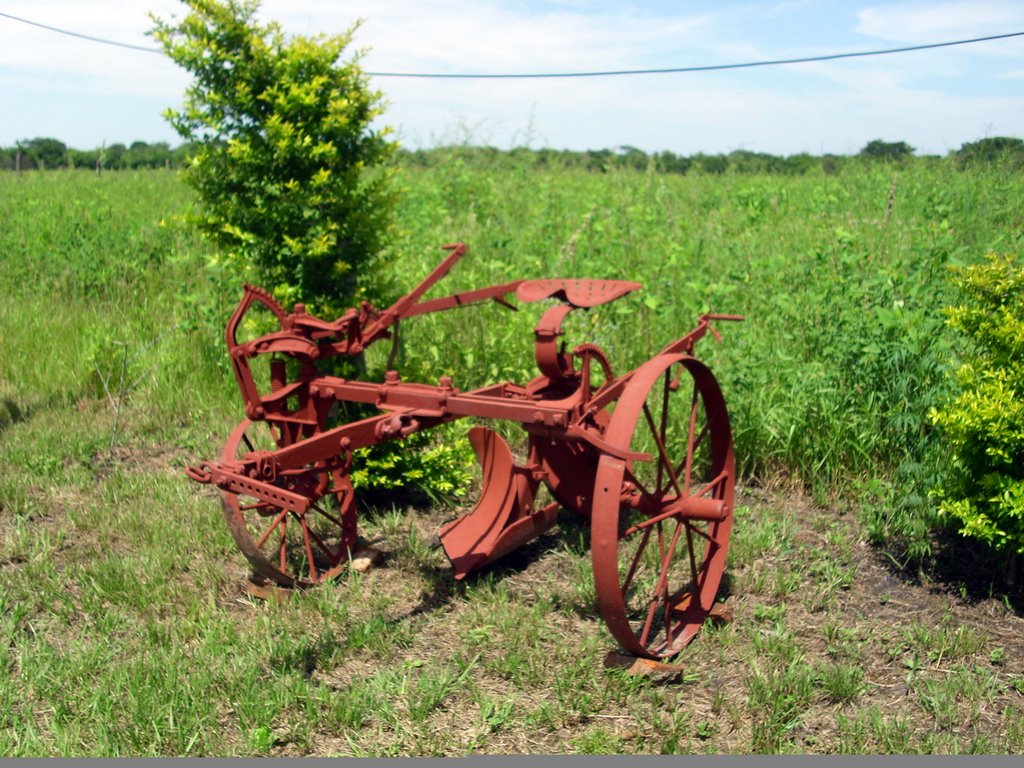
(661,524)
(288,548)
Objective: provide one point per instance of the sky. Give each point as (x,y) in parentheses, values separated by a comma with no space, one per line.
(87,94)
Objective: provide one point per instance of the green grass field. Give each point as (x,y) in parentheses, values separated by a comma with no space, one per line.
(125,628)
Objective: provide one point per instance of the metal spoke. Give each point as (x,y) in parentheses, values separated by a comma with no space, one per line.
(662,452)
(696,447)
(651,521)
(331,556)
(703,534)
(266,534)
(693,561)
(701,436)
(283,547)
(667,561)
(649,620)
(689,441)
(661,586)
(661,544)
(664,420)
(666,387)
(330,517)
(711,484)
(668,607)
(313,575)
(628,581)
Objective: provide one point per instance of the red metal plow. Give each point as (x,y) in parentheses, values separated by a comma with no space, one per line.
(647,455)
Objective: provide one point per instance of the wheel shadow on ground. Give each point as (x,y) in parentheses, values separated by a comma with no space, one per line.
(523,566)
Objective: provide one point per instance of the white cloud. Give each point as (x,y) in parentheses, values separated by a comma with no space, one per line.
(29,54)
(460,35)
(929,22)
(835,106)
(453,36)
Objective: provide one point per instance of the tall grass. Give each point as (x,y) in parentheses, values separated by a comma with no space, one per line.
(841,278)
(96,266)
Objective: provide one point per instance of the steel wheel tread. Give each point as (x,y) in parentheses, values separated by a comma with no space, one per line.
(284,547)
(660,528)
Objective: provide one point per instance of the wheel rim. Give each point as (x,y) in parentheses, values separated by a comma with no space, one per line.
(660,528)
(289,548)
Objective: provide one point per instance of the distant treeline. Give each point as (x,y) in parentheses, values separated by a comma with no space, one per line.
(990,150)
(47,153)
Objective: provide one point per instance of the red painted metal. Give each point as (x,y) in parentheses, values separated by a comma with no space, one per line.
(576,293)
(504,518)
(660,529)
(646,456)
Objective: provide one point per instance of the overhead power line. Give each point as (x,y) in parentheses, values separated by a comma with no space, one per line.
(80,35)
(600,73)
(706,68)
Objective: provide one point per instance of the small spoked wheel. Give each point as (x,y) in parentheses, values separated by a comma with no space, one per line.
(286,547)
(661,521)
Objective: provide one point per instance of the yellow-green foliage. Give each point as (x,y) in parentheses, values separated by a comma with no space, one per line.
(426,467)
(984,425)
(290,176)
(287,169)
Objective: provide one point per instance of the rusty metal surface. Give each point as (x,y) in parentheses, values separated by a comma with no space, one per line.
(657,568)
(577,293)
(646,456)
(507,496)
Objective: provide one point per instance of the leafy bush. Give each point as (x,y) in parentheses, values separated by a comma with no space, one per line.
(984,426)
(427,467)
(290,175)
(293,181)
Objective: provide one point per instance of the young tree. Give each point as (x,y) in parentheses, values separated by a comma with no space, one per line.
(294,182)
(289,172)
(886,150)
(992,150)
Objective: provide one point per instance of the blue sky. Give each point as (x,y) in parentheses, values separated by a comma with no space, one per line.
(85,93)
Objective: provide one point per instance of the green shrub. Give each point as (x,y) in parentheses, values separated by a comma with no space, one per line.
(983,426)
(293,183)
(291,178)
(427,467)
